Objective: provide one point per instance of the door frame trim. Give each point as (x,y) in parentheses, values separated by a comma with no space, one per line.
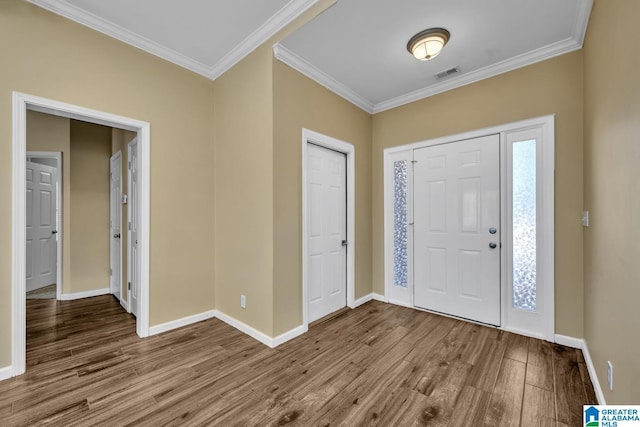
(57,155)
(309,136)
(22,102)
(546,200)
(118,155)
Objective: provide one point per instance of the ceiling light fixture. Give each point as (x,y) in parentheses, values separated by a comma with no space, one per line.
(427,44)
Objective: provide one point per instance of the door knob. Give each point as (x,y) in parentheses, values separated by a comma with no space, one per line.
(493,230)
(116,236)
(54,231)
(493,245)
(345,243)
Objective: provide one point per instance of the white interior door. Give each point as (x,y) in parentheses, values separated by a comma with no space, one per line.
(456,226)
(41,242)
(115,224)
(134,226)
(327,231)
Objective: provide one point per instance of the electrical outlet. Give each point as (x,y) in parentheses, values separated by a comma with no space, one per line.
(610,375)
(585,218)
(243,301)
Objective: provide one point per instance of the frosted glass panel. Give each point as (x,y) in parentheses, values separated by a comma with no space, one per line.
(400,260)
(524,225)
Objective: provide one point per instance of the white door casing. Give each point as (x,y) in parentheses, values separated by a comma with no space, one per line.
(133,213)
(327,232)
(457,228)
(115,224)
(41,230)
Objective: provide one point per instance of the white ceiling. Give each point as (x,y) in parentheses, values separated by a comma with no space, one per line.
(356,48)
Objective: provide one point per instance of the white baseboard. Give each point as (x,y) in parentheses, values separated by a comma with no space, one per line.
(124,304)
(570,341)
(85,294)
(243,327)
(582,345)
(179,323)
(592,373)
(6,373)
(293,333)
(379,297)
(363,300)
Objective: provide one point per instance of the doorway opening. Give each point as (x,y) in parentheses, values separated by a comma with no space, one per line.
(339,224)
(21,104)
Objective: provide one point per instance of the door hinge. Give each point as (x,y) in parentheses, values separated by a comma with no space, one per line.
(414,161)
(129,286)
(129,165)
(110,272)
(129,225)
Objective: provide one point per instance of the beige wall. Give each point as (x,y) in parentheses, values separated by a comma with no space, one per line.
(553,86)
(612,195)
(89,190)
(46,132)
(120,139)
(244,191)
(301,103)
(49,56)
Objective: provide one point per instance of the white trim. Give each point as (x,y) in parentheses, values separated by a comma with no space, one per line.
(379,297)
(282,18)
(22,102)
(85,294)
(569,341)
(301,65)
(580,27)
(287,336)
(363,300)
(57,155)
(179,323)
(309,136)
(279,20)
(6,373)
(592,373)
(243,327)
(118,280)
(125,305)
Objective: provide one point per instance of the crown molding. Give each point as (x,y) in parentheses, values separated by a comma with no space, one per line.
(519,61)
(282,18)
(103,26)
(283,54)
(582,20)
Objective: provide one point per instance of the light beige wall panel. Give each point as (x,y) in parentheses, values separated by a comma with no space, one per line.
(46,132)
(244,191)
(301,103)
(89,236)
(612,195)
(49,56)
(553,86)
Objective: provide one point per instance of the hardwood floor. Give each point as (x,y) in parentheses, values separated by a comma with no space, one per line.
(378,364)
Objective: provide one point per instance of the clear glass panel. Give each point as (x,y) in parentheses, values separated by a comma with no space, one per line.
(400,260)
(524,225)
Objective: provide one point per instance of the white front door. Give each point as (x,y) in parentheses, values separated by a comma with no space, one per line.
(457,228)
(327,231)
(41,226)
(115,223)
(134,225)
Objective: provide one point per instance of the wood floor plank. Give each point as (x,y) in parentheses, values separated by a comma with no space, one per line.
(538,407)
(378,365)
(506,400)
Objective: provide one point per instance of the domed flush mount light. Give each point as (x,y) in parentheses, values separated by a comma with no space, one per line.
(427,44)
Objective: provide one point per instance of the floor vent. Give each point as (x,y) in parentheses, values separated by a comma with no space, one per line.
(449,72)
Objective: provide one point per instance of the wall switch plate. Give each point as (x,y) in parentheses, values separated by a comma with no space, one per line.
(243,301)
(585,218)
(610,375)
